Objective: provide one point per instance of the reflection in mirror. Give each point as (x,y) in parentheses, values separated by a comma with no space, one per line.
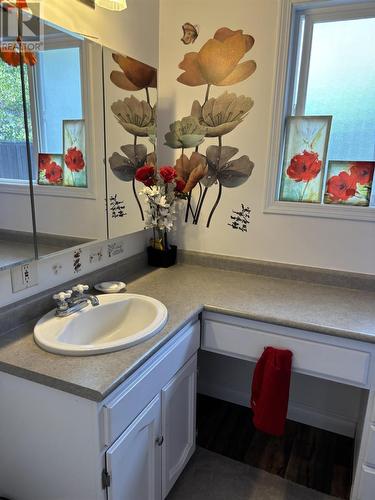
(67,122)
(130,89)
(17,239)
(64,98)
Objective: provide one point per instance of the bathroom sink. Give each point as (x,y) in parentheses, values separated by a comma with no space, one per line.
(118,322)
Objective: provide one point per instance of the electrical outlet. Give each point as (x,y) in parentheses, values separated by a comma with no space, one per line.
(24,276)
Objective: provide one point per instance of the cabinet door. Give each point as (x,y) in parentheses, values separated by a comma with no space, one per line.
(178,423)
(134,460)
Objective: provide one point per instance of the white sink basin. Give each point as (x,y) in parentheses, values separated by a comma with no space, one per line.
(118,322)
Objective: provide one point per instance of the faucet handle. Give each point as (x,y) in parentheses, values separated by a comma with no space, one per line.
(62,296)
(80,289)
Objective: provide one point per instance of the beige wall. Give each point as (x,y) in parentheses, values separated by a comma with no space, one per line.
(133,31)
(335,244)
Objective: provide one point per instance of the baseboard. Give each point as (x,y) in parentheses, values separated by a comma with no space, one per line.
(297,412)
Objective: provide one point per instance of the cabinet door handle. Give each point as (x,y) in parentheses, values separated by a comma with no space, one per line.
(159,440)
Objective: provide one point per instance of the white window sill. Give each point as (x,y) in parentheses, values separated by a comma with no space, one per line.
(22,188)
(365,214)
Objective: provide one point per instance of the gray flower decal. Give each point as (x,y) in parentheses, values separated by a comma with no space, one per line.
(222,115)
(185,133)
(229,174)
(137,117)
(124,167)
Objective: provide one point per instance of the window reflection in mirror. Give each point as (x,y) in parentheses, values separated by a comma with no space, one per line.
(64,95)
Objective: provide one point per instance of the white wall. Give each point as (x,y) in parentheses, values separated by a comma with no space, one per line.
(333,244)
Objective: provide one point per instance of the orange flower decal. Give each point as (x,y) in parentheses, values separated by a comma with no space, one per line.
(12,57)
(18,4)
(135,75)
(218,61)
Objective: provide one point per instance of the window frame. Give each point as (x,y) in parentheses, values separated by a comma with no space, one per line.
(291,58)
(20,186)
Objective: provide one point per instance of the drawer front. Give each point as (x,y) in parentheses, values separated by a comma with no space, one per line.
(367,484)
(310,357)
(370,451)
(142,388)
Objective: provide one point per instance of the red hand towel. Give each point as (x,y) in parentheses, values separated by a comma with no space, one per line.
(270,390)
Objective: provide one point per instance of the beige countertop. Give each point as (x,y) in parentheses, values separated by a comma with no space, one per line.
(186,290)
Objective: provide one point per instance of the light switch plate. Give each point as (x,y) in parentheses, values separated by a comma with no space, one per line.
(24,276)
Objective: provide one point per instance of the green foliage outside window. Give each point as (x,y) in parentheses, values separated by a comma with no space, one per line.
(11,113)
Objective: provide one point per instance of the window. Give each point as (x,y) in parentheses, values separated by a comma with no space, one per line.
(59,94)
(329,111)
(54,94)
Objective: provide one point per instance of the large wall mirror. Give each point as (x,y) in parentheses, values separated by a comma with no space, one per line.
(91,116)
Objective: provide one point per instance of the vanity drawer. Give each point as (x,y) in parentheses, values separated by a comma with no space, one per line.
(145,383)
(312,357)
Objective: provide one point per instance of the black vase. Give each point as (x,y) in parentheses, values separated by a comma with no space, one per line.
(162,258)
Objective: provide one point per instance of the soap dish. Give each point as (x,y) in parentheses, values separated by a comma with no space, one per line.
(110,286)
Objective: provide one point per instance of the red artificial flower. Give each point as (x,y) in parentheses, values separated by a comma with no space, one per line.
(363,171)
(74,160)
(44,161)
(54,173)
(18,4)
(304,166)
(341,187)
(180,185)
(146,174)
(168,174)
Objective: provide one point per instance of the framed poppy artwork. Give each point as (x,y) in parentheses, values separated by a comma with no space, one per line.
(349,182)
(305,151)
(50,169)
(75,169)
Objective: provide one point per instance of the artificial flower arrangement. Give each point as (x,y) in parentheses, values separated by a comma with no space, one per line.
(163,187)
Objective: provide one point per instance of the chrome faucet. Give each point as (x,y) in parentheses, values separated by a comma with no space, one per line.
(73,300)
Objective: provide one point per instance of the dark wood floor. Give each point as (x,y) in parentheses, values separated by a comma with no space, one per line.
(306,455)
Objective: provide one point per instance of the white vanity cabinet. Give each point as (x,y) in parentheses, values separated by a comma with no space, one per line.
(178,423)
(133,462)
(146,460)
(347,361)
(131,446)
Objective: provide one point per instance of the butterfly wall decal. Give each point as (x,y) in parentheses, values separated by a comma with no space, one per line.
(191,32)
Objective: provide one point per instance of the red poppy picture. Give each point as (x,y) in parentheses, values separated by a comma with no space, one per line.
(349,182)
(305,150)
(50,169)
(75,168)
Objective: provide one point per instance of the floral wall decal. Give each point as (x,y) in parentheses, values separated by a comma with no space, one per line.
(136,116)
(218,63)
